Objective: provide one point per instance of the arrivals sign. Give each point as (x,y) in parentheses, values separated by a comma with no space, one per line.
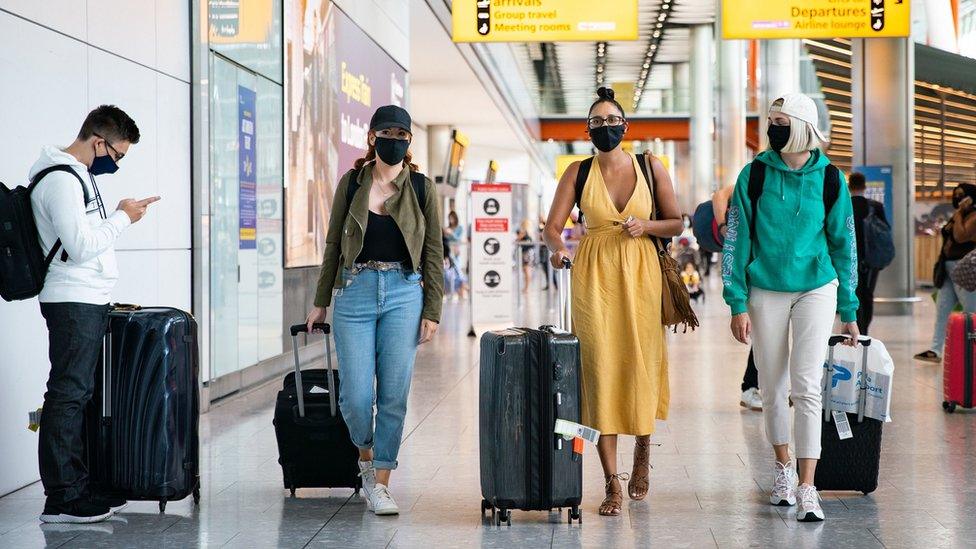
(544,20)
(492,255)
(770,19)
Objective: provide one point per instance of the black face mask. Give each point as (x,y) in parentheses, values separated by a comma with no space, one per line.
(391,151)
(778,137)
(606,138)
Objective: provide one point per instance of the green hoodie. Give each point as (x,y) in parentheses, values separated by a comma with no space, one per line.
(795,249)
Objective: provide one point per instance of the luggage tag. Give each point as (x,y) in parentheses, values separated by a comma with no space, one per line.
(34,419)
(316,390)
(577,449)
(843,426)
(570,430)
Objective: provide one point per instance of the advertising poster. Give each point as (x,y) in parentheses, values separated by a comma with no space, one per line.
(247,166)
(878,180)
(336,77)
(772,19)
(544,20)
(492,256)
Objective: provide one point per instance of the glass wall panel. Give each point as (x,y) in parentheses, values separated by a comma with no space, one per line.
(249,32)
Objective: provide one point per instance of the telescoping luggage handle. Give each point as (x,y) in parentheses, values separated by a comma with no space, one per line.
(566,296)
(829,376)
(299,388)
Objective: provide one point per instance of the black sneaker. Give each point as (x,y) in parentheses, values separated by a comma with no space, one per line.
(114,503)
(79,511)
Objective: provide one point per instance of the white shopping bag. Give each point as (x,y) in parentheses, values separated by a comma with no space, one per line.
(849,378)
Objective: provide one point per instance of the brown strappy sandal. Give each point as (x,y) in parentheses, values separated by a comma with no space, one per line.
(640,482)
(615,499)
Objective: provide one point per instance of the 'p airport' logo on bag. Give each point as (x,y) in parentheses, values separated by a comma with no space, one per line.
(484,16)
(877,15)
(840,374)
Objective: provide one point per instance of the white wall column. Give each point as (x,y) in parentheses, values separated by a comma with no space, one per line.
(779,73)
(702,151)
(730,117)
(882,86)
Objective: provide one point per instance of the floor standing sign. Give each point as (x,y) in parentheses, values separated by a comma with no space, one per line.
(492,256)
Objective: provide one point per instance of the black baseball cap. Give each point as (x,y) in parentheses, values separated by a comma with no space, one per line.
(390,116)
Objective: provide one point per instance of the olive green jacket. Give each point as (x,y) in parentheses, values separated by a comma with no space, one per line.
(421,228)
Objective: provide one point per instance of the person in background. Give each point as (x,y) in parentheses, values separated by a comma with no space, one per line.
(867,278)
(958,239)
(544,257)
(617,294)
(383,266)
(75,301)
(692,281)
(802,270)
(526,252)
(453,234)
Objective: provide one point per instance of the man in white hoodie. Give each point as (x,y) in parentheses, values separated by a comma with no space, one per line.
(71,218)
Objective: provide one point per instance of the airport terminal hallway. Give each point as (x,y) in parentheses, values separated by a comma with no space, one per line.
(712,468)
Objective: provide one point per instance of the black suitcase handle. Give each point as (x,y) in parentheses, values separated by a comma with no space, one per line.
(303,328)
(306,421)
(299,387)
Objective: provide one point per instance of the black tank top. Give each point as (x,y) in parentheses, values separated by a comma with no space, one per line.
(383,241)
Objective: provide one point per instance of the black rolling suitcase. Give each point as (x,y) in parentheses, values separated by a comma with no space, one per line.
(853,463)
(314,447)
(529,379)
(145,410)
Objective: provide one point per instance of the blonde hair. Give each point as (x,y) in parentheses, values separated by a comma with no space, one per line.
(803,136)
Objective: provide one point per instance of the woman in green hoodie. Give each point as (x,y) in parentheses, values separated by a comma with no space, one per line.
(790,262)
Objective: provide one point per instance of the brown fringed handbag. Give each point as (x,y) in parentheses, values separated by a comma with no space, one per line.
(675,303)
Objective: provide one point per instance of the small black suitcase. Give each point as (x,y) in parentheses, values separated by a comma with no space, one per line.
(853,463)
(530,378)
(314,447)
(144,414)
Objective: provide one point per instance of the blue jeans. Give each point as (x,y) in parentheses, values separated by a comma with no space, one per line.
(949,295)
(377,327)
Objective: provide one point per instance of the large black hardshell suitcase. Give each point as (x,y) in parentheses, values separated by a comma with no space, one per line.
(530,378)
(314,448)
(143,420)
(854,463)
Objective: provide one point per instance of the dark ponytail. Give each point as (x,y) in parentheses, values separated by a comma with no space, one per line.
(606,95)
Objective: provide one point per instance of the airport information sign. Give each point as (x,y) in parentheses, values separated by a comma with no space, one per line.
(492,256)
(544,20)
(770,19)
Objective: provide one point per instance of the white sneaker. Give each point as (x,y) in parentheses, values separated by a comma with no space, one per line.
(381,502)
(368,473)
(784,485)
(751,399)
(809,509)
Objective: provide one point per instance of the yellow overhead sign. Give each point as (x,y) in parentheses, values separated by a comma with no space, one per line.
(544,20)
(770,19)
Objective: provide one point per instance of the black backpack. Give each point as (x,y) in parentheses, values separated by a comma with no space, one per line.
(757,178)
(23,265)
(879,246)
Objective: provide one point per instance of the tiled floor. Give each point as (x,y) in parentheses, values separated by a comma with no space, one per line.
(710,473)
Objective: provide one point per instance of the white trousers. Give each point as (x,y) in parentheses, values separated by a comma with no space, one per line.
(795,373)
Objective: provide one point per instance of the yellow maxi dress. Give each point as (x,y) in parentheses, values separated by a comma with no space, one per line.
(617,315)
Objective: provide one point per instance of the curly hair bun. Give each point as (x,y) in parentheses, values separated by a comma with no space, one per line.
(605,93)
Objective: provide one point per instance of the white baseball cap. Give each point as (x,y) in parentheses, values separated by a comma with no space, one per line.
(801,107)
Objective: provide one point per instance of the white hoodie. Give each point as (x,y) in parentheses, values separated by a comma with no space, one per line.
(90,273)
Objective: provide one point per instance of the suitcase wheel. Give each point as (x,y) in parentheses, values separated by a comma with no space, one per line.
(162,506)
(196,496)
(949,407)
(504,515)
(485,506)
(292,491)
(575,514)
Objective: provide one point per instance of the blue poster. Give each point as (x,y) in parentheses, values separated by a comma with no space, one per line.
(247,168)
(878,179)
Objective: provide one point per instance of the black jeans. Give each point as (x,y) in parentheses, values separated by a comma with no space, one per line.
(75,332)
(750,380)
(867,280)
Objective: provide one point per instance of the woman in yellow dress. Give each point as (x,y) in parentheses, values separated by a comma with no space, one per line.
(617,294)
